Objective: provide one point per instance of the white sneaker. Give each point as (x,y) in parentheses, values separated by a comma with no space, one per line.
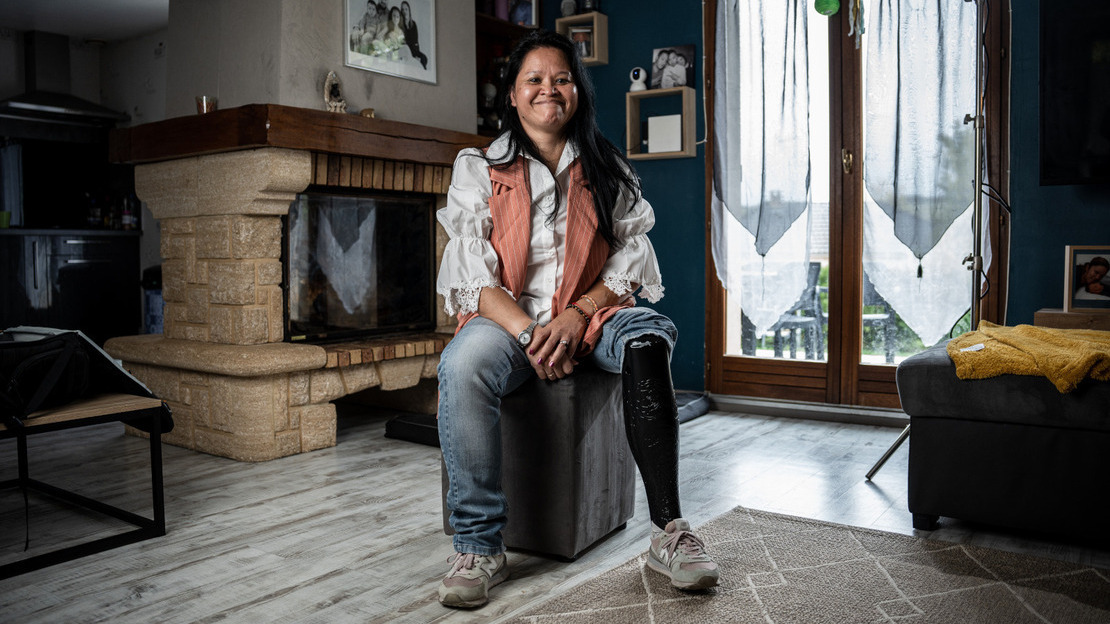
(467,585)
(680,555)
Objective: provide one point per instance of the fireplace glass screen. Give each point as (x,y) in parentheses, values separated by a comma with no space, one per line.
(358,265)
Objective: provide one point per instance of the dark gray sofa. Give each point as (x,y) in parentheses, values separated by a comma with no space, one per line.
(1010,451)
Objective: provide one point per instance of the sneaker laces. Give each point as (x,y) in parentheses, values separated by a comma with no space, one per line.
(685,541)
(462,561)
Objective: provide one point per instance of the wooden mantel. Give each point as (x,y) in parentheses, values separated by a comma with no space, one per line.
(273,125)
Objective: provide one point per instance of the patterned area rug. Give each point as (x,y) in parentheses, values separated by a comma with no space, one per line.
(779,569)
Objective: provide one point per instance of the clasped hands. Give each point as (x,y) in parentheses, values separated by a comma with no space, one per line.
(551,351)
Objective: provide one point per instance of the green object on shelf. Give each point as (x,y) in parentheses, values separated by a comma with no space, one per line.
(826,7)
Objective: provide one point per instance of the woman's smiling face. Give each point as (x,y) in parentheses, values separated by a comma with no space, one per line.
(544,93)
(1094,273)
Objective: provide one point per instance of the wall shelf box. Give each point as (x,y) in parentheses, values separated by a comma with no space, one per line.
(596,26)
(633,123)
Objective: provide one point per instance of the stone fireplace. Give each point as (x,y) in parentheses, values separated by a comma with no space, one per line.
(219,184)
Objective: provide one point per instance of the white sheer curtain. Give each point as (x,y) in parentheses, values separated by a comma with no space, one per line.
(918,160)
(760,208)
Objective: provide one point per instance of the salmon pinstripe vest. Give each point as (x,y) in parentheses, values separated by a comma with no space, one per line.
(586,251)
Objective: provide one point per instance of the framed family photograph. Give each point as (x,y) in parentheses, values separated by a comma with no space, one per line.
(394,38)
(1087,278)
(672,67)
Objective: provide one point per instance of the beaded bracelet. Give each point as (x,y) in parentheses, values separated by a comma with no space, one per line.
(580,311)
(592,302)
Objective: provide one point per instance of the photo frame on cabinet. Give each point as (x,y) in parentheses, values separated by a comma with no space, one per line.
(397,38)
(1087,278)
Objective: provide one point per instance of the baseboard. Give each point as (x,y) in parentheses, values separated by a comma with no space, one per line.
(852,414)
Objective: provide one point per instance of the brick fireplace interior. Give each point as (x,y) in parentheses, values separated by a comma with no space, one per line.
(221,186)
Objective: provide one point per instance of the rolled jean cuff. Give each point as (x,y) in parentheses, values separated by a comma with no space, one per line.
(626,325)
(471,549)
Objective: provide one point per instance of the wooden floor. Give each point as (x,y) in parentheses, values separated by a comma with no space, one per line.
(353,533)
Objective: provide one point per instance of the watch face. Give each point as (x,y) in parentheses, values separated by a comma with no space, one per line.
(524,338)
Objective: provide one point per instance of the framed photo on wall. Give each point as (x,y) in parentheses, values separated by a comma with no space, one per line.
(672,67)
(525,13)
(1087,278)
(397,38)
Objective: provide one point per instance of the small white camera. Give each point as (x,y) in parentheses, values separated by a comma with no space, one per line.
(638,76)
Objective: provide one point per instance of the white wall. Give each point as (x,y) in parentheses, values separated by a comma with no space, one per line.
(133,77)
(313,43)
(261,51)
(133,80)
(223,48)
(84,70)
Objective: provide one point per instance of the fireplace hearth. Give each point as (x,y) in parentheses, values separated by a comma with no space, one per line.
(220,185)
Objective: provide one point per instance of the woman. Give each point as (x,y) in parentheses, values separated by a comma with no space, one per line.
(390,43)
(412,37)
(1089,278)
(548,243)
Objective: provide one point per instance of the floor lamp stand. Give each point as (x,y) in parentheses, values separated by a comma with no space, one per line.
(974,261)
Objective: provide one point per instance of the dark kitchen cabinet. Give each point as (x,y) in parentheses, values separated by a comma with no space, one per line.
(72,279)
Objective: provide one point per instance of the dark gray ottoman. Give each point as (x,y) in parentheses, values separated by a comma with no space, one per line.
(1010,451)
(568,473)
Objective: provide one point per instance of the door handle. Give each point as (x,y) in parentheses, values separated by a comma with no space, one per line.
(846,161)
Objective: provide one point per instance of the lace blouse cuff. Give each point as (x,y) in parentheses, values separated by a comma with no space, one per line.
(621,284)
(462,297)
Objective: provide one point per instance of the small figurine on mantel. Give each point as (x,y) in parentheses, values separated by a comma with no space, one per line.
(332,98)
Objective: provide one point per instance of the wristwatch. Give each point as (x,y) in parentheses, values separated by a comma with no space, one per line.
(525,336)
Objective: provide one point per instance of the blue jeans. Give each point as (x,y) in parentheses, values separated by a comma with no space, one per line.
(481,364)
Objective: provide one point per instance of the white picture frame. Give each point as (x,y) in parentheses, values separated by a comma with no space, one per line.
(381,38)
(1079,295)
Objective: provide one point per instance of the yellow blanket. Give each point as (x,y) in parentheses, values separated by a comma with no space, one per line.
(1064,356)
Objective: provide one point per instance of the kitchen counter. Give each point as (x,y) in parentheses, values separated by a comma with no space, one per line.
(66,232)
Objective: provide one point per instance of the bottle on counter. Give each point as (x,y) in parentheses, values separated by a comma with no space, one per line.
(93,218)
(129,218)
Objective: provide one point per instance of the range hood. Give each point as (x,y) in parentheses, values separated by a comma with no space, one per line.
(47,99)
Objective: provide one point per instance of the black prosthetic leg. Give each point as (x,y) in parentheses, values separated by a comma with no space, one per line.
(651,423)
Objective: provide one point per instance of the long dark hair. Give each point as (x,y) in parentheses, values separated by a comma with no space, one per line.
(605,166)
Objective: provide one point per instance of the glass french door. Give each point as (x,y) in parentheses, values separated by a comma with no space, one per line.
(863,298)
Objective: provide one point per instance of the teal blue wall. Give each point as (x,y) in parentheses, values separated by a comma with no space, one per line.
(675,187)
(1045,218)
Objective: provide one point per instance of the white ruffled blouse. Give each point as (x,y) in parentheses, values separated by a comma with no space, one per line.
(470,263)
